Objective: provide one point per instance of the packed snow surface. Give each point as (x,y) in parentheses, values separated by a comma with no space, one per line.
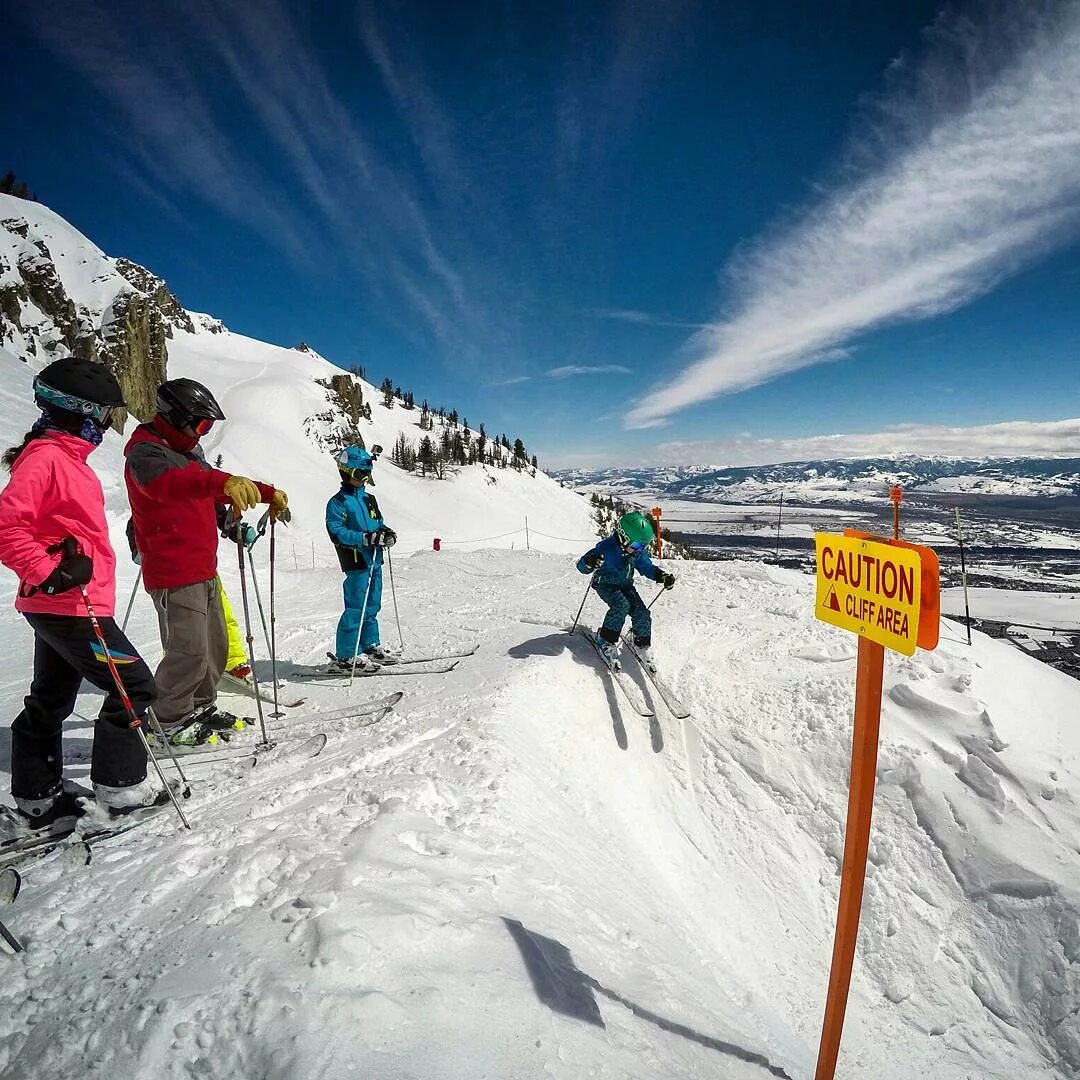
(513,875)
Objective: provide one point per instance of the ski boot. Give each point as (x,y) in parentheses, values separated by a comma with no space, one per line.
(609,650)
(187,732)
(120,801)
(382,655)
(365,665)
(241,672)
(645,655)
(55,815)
(214,719)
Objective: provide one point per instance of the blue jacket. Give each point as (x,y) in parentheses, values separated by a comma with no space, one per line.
(618,566)
(351,515)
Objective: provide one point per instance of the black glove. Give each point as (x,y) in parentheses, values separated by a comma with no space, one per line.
(593,561)
(72,570)
(668,581)
(389,537)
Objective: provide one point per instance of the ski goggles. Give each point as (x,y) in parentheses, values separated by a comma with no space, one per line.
(101,413)
(202,425)
(636,547)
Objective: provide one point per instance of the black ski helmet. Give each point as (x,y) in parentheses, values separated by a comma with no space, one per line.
(182,402)
(80,387)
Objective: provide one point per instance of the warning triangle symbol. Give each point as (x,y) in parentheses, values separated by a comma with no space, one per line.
(831,601)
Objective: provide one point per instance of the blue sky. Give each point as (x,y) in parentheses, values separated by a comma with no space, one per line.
(630,231)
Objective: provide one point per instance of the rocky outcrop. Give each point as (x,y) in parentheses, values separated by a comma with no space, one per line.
(172,312)
(133,347)
(120,314)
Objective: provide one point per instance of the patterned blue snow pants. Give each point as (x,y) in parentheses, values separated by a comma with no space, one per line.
(623,600)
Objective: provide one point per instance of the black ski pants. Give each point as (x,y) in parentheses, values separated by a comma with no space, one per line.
(66,651)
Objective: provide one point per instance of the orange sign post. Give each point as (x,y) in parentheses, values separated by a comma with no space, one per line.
(656,525)
(886,591)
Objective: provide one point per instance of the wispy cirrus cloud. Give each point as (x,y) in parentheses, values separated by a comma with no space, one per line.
(568,371)
(645,318)
(976,172)
(352,206)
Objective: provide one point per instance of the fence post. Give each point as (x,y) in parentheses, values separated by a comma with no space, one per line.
(528,547)
(963,574)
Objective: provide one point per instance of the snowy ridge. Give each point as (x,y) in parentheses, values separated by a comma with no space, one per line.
(856,480)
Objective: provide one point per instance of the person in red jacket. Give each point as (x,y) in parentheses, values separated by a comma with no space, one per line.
(178,504)
(54,494)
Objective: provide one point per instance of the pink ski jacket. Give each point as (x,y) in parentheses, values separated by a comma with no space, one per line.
(54,493)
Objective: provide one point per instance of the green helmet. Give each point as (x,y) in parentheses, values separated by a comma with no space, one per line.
(635,528)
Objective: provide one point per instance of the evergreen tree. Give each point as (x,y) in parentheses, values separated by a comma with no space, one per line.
(481,442)
(519,451)
(387,389)
(7,185)
(453,418)
(426,455)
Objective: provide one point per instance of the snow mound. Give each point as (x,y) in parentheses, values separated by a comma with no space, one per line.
(512,875)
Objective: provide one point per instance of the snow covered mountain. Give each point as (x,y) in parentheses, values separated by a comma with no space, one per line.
(60,294)
(852,480)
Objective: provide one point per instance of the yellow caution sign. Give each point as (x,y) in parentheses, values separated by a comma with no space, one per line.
(870,588)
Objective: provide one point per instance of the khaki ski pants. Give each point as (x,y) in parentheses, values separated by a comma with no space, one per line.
(196,644)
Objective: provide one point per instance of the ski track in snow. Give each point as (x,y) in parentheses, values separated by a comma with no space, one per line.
(373,911)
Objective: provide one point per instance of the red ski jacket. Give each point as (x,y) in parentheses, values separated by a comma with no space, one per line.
(54,493)
(174,497)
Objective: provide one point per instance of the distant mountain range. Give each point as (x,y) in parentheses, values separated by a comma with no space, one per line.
(854,480)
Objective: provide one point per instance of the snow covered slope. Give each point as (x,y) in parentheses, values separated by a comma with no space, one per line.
(514,876)
(59,291)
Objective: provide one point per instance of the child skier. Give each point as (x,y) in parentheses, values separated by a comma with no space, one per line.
(358,533)
(175,500)
(54,494)
(612,563)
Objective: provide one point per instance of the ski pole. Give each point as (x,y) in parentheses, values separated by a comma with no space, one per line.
(657,597)
(393,593)
(250,641)
(258,601)
(273,625)
(360,628)
(131,602)
(583,599)
(71,548)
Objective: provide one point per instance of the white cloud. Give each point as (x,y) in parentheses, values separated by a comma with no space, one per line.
(1013,438)
(970,192)
(570,370)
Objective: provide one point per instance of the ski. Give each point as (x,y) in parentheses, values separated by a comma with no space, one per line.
(393,670)
(670,698)
(619,678)
(249,756)
(395,661)
(10,883)
(230,684)
(20,849)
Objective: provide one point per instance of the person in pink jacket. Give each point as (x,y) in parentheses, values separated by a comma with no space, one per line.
(53,494)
